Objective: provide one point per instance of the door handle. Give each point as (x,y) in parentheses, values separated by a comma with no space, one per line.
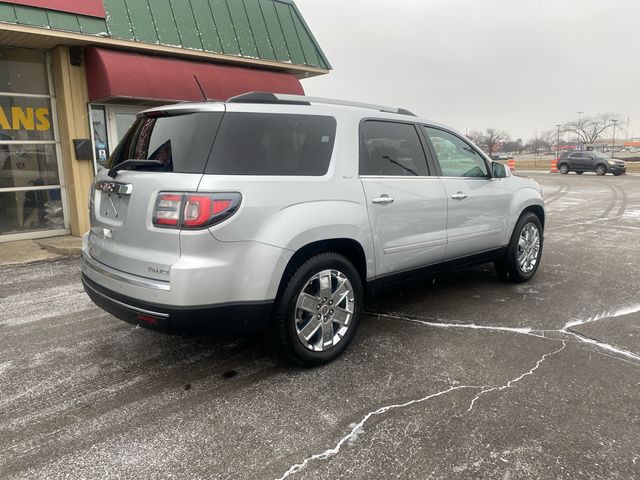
(383,200)
(459,196)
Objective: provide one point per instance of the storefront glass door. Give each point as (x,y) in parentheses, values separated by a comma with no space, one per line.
(32,193)
(110,123)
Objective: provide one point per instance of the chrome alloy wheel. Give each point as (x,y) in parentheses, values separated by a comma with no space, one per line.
(324,310)
(528,248)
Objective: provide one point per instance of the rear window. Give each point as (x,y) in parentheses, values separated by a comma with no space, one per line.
(273,144)
(181,142)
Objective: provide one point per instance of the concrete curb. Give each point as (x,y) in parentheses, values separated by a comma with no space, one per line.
(29,251)
(68,246)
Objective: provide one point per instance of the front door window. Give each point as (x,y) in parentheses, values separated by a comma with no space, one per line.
(455,156)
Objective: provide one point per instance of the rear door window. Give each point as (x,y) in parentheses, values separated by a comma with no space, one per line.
(182,143)
(273,144)
(391,149)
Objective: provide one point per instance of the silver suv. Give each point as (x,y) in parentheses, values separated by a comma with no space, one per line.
(282,213)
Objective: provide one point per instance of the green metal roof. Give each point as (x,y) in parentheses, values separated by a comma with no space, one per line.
(272,30)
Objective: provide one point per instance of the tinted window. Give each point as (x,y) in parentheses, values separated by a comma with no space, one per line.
(391,149)
(456,157)
(273,144)
(182,143)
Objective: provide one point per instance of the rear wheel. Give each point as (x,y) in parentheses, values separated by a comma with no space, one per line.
(563,168)
(523,254)
(318,312)
(601,170)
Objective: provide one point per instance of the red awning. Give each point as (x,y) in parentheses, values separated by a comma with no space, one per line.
(112,74)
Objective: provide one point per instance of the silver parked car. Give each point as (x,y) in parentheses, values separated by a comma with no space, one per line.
(281,213)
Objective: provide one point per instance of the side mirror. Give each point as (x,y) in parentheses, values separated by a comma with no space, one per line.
(499,170)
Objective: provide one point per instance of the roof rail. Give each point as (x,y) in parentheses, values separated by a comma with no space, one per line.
(279,98)
(268,97)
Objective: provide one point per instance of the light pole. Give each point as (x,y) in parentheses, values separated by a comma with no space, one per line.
(558,144)
(613,147)
(580,120)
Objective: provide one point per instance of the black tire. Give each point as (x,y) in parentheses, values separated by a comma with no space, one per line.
(563,168)
(601,169)
(579,173)
(508,267)
(287,316)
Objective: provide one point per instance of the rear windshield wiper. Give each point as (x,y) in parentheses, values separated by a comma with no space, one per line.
(113,171)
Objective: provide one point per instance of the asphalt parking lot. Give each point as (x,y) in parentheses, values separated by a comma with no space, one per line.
(461,376)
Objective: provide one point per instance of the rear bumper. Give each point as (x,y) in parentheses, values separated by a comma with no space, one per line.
(208,272)
(245,317)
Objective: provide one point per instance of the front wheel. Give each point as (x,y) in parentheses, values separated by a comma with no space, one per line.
(601,170)
(524,251)
(317,314)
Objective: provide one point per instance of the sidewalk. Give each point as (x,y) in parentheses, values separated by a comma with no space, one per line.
(26,251)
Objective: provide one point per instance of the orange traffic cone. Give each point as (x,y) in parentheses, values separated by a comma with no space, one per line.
(511,164)
(554,166)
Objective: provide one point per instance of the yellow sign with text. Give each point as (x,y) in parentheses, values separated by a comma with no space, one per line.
(18,118)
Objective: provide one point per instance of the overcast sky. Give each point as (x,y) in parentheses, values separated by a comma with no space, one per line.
(518,65)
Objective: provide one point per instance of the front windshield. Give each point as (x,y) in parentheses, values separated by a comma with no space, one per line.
(601,155)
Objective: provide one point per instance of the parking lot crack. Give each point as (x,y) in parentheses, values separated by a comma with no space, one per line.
(581,337)
(356,429)
(439,324)
(566,330)
(513,381)
(602,316)
(605,346)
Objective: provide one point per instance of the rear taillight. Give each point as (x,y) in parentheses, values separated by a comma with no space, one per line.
(193,211)
(168,207)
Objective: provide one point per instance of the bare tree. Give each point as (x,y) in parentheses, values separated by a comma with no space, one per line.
(513,146)
(489,140)
(549,138)
(590,127)
(475,136)
(537,145)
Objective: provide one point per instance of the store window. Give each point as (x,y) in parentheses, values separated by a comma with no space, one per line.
(31,193)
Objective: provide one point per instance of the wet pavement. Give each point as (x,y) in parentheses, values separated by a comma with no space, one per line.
(462,376)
